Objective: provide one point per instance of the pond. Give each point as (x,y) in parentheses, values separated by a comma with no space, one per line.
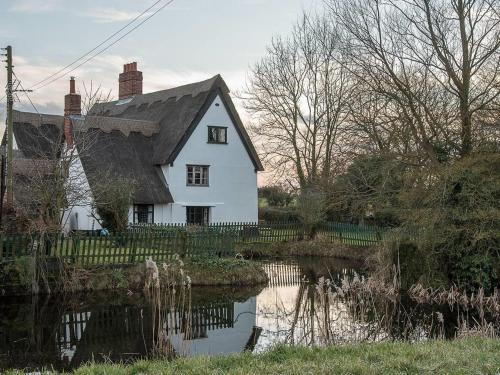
(63,332)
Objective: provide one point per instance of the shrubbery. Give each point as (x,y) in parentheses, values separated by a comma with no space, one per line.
(454,215)
(278,214)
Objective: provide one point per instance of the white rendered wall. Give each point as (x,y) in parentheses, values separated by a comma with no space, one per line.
(80,217)
(232,190)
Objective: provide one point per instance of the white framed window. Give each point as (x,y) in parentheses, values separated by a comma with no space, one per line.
(144,213)
(197,175)
(217,134)
(196,215)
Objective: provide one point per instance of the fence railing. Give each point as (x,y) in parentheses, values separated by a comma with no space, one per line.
(121,248)
(250,232)
(162,241)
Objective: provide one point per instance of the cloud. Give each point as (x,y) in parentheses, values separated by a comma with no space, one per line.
(107,15)
(103,71)
(35,6)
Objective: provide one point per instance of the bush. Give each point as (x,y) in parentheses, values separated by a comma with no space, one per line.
(276,196)
(278,214)
(368,191)
(455,213)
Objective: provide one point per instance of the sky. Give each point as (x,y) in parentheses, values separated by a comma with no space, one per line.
(189,40)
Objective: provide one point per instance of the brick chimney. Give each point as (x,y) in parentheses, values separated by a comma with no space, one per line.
(130,81)
(72,106)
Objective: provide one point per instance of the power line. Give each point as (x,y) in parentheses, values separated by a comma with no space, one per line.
(107,47)
(96,47)
(25,92)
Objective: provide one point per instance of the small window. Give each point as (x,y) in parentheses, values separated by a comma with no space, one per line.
(217,134)
(144,213)
(197,175)
(197,215)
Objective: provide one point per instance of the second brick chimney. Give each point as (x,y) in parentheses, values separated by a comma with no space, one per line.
(130,81)
(72,106)
(72,101)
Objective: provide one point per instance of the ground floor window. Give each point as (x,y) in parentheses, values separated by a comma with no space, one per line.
(144,213)
(197,215)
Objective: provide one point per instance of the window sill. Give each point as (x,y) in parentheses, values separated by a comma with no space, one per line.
(217,143)
(188,185)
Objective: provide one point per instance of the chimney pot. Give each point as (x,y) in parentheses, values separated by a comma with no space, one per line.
(72,85)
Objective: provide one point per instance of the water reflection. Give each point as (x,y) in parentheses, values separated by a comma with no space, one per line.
(52,332)
(62,333)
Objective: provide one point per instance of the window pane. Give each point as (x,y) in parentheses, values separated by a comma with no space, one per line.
(197,215)
(217,134)
(197,175)
(144,213)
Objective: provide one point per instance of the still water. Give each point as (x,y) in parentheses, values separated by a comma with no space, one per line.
(66,331)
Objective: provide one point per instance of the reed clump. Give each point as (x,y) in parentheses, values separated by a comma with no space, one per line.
(168,288)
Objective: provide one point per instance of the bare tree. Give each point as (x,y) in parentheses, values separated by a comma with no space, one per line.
(51,180)
(434,63)
(299,94)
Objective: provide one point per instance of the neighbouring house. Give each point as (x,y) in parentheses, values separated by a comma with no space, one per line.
(185,148)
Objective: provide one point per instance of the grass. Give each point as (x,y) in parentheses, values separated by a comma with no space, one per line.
(202,272)
(224,271)
(464,356)
(318,247)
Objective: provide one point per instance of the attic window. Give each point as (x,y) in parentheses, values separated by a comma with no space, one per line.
(217,134)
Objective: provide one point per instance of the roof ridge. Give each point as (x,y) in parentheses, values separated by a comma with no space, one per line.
(109,124)
(205,85)
(37,119)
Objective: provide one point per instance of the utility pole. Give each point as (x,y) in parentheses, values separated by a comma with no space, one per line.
(10,135)
(10,131)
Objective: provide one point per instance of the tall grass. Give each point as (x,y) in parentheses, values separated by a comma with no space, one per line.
(365,309)
(169,291)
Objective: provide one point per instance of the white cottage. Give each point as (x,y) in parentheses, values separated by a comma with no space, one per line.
(185,147)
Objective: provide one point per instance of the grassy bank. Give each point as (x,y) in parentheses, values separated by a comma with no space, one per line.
(467,356)
(318,247)
(74,279)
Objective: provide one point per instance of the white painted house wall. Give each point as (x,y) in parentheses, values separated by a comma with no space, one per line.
(79,217)
(232,190)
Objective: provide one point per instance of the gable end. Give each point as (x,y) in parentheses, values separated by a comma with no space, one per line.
(233,115)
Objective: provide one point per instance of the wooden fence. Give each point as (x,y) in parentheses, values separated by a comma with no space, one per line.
(351,234)
(161,242)
(122,248)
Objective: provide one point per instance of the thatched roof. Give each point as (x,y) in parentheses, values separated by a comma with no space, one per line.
(133,137)
(38,136)
(177,111)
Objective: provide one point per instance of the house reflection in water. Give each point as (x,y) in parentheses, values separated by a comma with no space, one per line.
(51,333)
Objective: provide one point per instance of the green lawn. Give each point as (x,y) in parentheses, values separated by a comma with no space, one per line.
(467,356)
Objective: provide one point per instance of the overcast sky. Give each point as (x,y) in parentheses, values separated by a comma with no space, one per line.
(189,40)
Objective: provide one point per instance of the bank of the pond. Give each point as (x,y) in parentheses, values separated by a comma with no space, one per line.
(202,272)
(317,247)
(462,356)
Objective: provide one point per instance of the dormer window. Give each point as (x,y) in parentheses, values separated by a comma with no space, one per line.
(217,134)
